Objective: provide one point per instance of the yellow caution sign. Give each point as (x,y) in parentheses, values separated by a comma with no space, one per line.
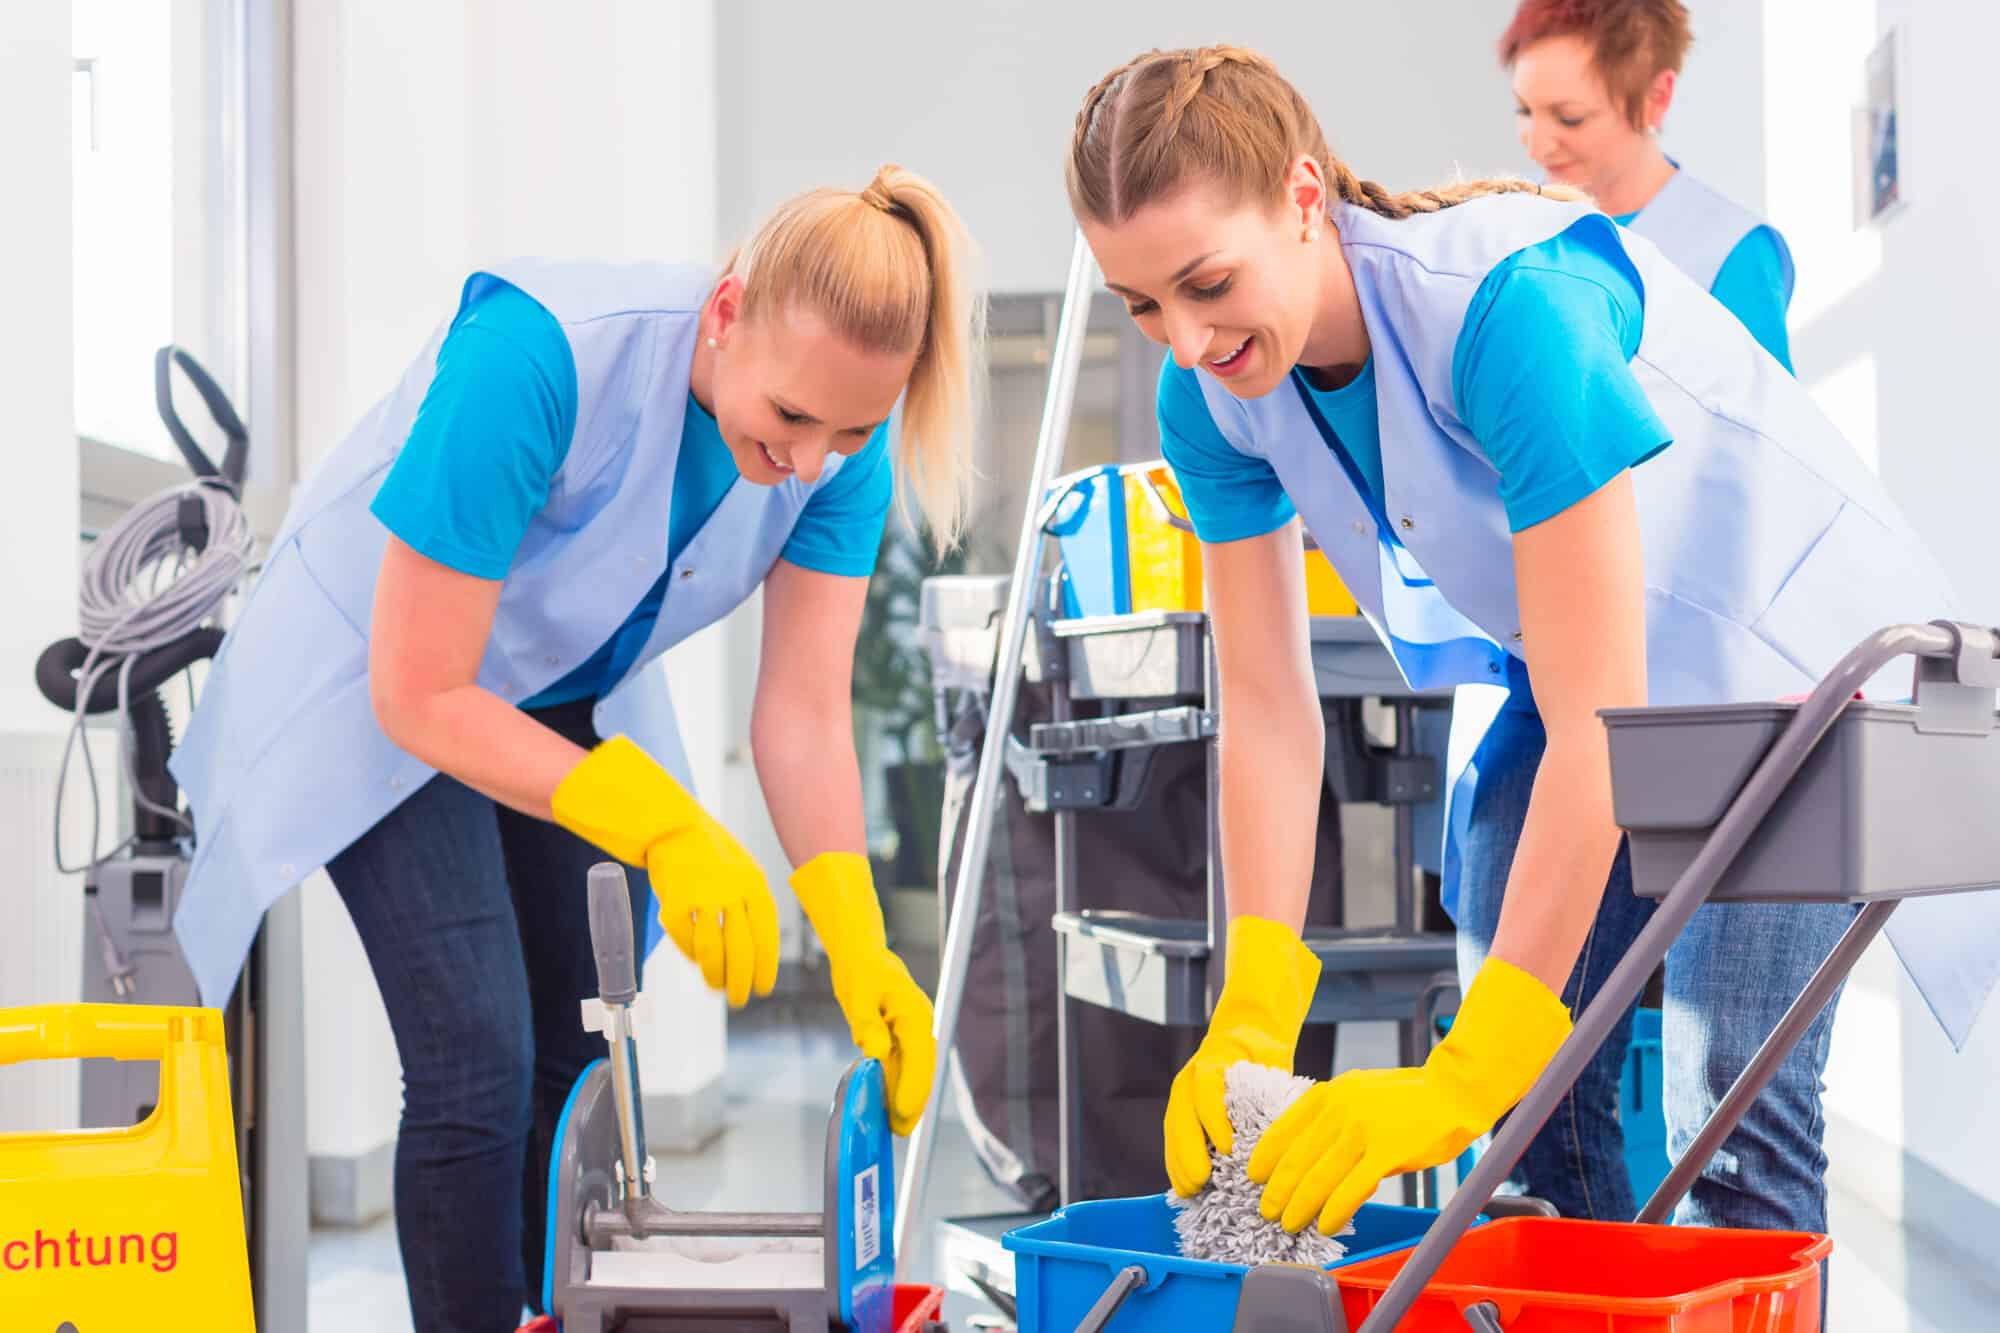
(126,1230)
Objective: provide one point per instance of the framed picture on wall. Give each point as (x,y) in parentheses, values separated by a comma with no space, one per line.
(1881,129)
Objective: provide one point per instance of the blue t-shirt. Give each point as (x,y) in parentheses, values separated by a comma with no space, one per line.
(494,427)
(1541,378)
(1751,284)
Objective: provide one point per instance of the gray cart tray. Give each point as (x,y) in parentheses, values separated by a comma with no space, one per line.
(1144,655)
(1158,654)
(1832,837)
(958,618)
(972,1262)
(1157,969)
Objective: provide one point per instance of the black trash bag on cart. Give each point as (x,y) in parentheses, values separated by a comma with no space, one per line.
(1150,859)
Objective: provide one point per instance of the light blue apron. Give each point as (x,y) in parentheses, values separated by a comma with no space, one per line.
(283,762)
(1770,549)
(1699,229)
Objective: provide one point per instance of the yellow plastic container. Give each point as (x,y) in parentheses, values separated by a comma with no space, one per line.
(1166,557)
(109,1230)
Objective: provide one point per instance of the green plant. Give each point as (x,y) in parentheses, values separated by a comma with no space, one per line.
(892,672)
(893,704)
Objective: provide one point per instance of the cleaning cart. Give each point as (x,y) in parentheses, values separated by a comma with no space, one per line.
(1828,800)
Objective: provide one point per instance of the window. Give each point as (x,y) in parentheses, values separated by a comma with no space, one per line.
(158,228)
(1111,418)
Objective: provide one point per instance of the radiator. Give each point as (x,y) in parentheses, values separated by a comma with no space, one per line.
(41,940)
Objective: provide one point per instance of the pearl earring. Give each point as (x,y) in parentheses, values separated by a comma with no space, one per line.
(713,343)
(1311,235)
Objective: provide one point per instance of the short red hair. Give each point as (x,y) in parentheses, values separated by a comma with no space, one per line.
(1631,41)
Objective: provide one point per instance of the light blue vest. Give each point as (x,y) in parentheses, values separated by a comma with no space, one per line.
(1770,549)
(1698,229)
(283,762)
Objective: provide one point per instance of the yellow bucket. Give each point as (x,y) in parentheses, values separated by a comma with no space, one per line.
(1166,557)
(108,1230)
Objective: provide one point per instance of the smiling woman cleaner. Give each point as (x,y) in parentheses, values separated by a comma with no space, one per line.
(445,687)
(1540,457)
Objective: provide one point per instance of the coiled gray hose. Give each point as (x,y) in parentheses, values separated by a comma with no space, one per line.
(143,587)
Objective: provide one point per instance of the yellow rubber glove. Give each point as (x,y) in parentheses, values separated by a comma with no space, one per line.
(1326,1154)
(1268,983)
(888,1013)
(715,904)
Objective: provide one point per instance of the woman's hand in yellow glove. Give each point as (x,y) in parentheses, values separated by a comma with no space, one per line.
(1268,982)
(1323,1158)
(887,1012)
(715,903)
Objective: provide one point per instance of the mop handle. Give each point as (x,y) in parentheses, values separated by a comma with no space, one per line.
(618,986)
(1066,359)
(611,934)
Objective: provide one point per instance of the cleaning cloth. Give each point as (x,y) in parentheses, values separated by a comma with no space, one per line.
(1221,1223)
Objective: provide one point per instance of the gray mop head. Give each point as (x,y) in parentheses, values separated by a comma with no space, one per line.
(1221,1223)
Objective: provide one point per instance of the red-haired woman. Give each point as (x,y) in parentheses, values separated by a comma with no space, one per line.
(1593,80)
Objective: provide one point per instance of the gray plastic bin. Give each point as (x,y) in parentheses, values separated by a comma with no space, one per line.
(1832,837)
(959,620)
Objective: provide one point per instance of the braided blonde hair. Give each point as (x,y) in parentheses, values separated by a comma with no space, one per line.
(1223,113)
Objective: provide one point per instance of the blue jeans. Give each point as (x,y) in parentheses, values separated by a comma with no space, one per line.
(474,920)
(1729,978)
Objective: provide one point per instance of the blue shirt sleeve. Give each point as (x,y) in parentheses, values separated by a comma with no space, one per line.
(1542,376)
(1229,495)
(1755,283)
(492,430)
(840,529)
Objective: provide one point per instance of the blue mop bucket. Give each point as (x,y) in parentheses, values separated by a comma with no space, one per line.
(1062,1265)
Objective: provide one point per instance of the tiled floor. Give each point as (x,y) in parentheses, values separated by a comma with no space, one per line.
(784,1060)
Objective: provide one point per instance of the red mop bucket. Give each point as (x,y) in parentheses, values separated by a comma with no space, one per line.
(1542,1275)
(916,1307)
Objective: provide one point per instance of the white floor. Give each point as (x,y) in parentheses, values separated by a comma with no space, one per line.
(783,1066)
(1884,1280)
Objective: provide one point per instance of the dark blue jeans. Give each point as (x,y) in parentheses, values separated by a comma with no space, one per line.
(475,923)
(1729,978)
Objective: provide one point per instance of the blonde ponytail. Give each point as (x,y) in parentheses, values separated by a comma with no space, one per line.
(889,267)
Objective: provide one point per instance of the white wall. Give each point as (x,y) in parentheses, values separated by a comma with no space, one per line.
(431,139)
(39,954)
(981,97)
(1720,94)
(35,353)
(1890,331)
